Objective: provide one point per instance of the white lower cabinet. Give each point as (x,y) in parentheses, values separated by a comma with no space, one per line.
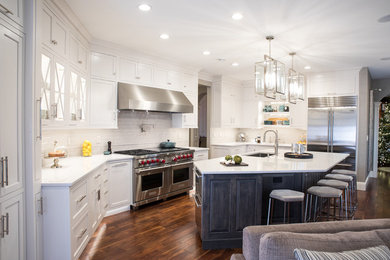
(119,186)
(201,155)
(12,228)
(72,213)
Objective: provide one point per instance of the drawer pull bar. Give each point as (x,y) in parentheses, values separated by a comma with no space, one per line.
(106,206)
(81,198)
(82,233)
(106,192)
(119,165)
(106,180)
(2,171)
(97,176)
(4,225)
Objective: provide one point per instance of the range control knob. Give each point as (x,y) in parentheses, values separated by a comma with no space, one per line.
(174,159)
(153,160)
(184,156)
(157,160)
(142,162)
(147,161)
(191,155)
(178,157)
(163,161)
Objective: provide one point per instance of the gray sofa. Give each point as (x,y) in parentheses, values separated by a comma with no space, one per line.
(277,242)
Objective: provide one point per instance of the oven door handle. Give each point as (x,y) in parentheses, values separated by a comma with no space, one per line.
(198,174)
(182,164)
(150,171)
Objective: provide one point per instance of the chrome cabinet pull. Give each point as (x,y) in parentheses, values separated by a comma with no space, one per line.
(54,110)
(119,165)
(2,172)
(6,10)
(6,170)
(4,225)
(81,198)
(82,233)
(40,210)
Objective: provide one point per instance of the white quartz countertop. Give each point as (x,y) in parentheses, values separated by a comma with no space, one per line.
(75,168)
(249,143)
(321,162)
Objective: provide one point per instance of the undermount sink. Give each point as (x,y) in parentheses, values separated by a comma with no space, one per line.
(261,154)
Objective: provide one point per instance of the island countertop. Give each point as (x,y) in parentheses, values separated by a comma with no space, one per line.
(321,162)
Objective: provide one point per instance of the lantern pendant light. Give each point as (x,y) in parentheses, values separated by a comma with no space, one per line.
(292,81)
(270,75)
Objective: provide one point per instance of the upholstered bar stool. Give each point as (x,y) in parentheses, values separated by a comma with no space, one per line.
(342,177)
(286,196)
(323,192)
(341,185)
(354,183)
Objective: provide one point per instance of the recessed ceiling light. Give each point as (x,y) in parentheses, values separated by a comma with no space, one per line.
(206,53)
(144,7)
(385,58)
(307,67)
(384,19)
(164,36)
(235,64)
(237,16)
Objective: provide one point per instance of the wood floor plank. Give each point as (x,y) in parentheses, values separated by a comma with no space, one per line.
(167,230)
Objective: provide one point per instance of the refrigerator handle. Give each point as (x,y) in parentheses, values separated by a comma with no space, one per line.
(328,137)
(331,131)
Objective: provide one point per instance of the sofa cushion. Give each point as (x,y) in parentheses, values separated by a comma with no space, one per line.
(371,253)
(281,245)
(252,234)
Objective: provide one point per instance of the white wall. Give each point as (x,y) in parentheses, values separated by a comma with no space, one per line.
(127,136)
(286,135)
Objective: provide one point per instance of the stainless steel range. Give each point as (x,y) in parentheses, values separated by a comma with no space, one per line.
(160,173)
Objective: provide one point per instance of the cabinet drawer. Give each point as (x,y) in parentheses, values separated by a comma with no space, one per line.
(78,200)
(201,156)
(80,236)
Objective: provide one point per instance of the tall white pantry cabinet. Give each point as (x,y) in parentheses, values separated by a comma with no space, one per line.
(12,215)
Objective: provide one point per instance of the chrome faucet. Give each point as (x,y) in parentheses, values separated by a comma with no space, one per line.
(276,145)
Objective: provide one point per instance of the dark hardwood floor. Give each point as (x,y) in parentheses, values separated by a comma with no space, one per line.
(167,230)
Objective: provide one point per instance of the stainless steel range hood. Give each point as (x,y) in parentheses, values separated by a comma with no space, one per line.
(134,97)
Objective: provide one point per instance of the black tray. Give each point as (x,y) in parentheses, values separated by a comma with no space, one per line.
(241,164)
(298,156)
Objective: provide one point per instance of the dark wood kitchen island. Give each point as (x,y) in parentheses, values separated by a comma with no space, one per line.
(230,198)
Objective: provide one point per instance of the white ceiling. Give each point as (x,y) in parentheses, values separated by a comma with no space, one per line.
(326,34)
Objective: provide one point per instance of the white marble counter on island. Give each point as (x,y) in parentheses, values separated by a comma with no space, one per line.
(321,162)
(232,144)
(75,168)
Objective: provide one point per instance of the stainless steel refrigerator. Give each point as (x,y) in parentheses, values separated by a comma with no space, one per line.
(332,123)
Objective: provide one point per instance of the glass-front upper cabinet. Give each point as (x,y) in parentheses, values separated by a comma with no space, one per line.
(52,90)
(63,93)
(77,98)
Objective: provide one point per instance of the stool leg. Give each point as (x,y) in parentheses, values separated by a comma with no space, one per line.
(346,202)
(341,206)
(288,212)
(328,211)
(284,212)
(272,210)
(303,215)
(311,203)
(269,210)
(307,204)
(334,208)
(315,209)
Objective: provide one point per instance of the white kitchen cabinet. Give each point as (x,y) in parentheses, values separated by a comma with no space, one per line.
(103,104)
(103,66)
(11,75)
(200,155)
(53,90)
(167,79)
(78,53)
(135,72)
(298,114)
(222,151)
(54,32)
(226,95)
(78,90)
(120,185)
(13,9)
(12,233)
(335,83)
(187,120)
(95,198)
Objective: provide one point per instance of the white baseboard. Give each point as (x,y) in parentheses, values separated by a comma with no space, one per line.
(362,185)
(117,210)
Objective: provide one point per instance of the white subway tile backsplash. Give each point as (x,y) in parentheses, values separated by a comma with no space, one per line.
(127,136)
